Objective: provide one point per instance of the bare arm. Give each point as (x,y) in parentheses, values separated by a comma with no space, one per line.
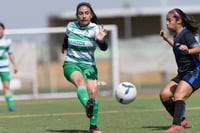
(12,60)
(194,50)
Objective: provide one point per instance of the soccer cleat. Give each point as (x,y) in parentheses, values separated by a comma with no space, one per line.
(12,109)
(90,108)
(184,122)
(95,131)
(175,128)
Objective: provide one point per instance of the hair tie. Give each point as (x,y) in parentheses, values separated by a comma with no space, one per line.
(174,11)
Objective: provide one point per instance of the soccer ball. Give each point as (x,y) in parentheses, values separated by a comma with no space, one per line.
(125,93)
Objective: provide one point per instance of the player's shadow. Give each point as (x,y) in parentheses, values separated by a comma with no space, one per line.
(159,127)
(68,131)
(156,127)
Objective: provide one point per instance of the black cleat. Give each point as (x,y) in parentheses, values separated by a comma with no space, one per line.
(90,108)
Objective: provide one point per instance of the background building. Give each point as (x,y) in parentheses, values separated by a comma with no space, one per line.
(131,22)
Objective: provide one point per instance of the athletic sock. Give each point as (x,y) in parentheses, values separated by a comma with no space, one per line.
(9,99)
(94,119)
(93,126)
(169,106)
(179,112)
(82,95)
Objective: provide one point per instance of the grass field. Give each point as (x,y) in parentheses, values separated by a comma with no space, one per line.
(144,115)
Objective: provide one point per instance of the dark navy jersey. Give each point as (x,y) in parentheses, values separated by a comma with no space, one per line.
(185,62)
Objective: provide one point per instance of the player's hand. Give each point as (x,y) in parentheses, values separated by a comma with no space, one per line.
(164,34)
(184,48)
(101,35)
(15,69)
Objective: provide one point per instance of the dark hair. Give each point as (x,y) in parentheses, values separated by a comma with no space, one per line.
(94,17)
(187,21)
(2,25)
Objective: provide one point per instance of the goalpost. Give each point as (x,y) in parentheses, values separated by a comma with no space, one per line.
(30,49)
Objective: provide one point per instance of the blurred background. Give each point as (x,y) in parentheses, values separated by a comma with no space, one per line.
(136,52)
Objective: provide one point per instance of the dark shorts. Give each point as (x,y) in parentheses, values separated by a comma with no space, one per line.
(88,71)
(191,77)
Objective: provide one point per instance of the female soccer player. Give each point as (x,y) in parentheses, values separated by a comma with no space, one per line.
(186,49)
(82,37)
(5,55)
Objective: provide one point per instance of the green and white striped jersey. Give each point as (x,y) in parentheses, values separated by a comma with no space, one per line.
(5,48)
(81,43)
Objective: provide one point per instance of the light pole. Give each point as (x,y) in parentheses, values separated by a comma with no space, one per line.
(127,20)
(164,5)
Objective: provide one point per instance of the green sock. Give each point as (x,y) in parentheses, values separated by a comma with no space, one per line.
(93,120)
(9,99)
(82,95)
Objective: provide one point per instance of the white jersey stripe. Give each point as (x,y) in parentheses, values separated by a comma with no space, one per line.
(5,47)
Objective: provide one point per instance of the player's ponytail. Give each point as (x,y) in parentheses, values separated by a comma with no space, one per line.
(2,25)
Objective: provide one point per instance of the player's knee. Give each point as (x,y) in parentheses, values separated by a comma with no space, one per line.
(178,96)
(164,95)
(79,82)
(92,92)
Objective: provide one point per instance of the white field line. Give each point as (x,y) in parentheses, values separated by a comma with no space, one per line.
(81,113)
